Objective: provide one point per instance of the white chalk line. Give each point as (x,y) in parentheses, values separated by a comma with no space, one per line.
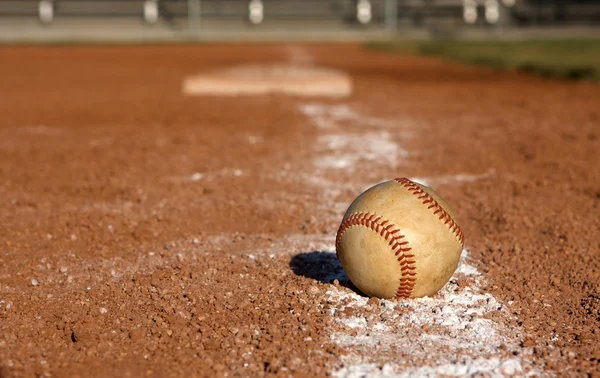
(452,329)
(459,331)
(299,55)
(458,178)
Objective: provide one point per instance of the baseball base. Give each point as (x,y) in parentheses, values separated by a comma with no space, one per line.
(399,239)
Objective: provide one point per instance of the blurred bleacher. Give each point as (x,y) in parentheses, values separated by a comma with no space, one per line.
(442,17)
(522,11)
(278,9)
(556,12)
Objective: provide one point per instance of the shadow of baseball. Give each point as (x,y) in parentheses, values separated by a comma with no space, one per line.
(323,267)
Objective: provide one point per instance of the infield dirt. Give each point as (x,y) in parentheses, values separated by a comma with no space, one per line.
(148,233)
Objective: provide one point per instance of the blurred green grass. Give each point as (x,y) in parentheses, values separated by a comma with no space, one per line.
(574,59)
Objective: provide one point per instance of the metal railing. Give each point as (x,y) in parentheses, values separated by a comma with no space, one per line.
(385,13)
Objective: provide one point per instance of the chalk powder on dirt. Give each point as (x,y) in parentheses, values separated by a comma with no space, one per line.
(458,328)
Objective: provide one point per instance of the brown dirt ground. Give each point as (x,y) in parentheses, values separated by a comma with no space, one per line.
(116,260)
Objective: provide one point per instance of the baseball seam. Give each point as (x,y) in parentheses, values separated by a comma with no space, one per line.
(391,233)
(433,205)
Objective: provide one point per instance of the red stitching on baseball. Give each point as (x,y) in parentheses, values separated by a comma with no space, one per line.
(438,209)
(382,227)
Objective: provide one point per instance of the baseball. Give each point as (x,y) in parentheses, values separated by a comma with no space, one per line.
(399,239)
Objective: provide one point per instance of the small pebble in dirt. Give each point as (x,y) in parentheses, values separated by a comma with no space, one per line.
(313,290)
(34,282)
(402,308)
(103,310)
(528,342)
(373,301)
